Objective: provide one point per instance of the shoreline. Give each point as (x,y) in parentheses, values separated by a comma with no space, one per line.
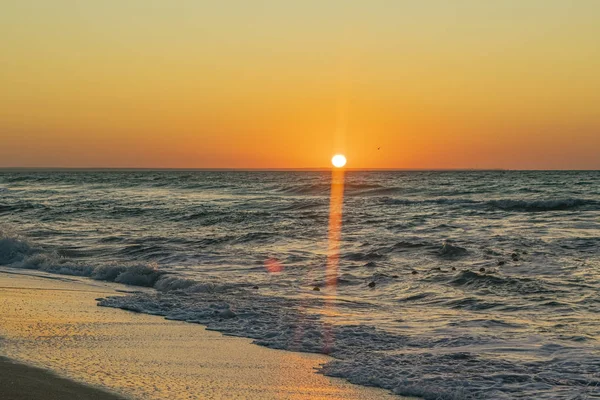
(53,322)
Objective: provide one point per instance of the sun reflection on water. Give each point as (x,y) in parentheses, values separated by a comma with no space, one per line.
(336,202)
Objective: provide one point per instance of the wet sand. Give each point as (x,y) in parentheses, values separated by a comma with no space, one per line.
(22,382)
(53,322)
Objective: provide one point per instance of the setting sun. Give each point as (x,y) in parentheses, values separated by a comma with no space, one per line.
(338,161)
(172,155)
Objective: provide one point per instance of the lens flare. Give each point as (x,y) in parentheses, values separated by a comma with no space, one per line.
(273,265)
(338,160)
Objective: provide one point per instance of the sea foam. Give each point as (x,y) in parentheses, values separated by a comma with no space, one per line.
(406,364)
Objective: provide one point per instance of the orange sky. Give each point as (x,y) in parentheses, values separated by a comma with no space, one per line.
(271,84)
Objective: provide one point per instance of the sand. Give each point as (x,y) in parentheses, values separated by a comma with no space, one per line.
(22,382)
(53,322)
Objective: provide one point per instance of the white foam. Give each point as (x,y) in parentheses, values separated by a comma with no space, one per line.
(406,364)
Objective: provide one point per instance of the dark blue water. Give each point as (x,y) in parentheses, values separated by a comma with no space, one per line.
(451,284)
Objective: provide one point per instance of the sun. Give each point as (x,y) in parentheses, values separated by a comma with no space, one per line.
(338,161)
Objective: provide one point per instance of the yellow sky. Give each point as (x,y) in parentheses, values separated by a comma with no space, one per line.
(278,84)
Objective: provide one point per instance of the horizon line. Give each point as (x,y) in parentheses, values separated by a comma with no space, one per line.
(242,169)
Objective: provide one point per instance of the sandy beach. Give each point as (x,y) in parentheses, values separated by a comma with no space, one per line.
(53,322)
(21,382)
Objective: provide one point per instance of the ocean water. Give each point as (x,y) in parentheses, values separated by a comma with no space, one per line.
(451,285)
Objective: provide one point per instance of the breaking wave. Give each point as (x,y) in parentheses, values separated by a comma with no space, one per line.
(17,252)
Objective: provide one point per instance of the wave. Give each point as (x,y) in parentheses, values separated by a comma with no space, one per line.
(250,237)
(19,178)
(439,200)
(408,245)
(407,364)
(450,250)
(375,191)
(361,256)
(447,250)
(365,189)
(13,248)
(17,207)
(544,205)
(302,206)
(17,252)
(307,189)
(500,285)
(412,365)
(503,204)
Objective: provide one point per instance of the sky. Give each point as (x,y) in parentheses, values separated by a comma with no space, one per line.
(287,84)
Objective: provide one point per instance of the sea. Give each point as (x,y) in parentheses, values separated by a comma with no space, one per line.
(448,284)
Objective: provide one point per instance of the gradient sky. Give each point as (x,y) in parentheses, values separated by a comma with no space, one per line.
(285,84)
